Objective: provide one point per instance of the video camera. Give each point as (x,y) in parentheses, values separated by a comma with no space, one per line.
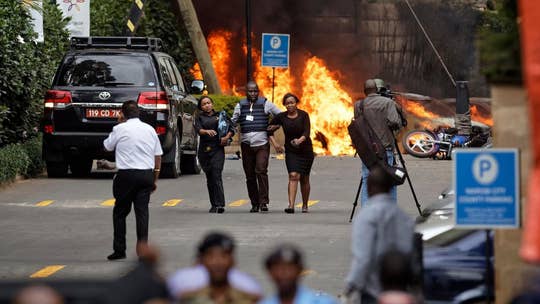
(384,90)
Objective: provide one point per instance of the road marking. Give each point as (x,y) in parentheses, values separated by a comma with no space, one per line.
(310,203)
(307,272)
(44,203)
(108,203)
(47,271)
(238,203)
(172,203)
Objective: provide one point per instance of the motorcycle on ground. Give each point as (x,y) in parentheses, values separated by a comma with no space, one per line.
(440,142)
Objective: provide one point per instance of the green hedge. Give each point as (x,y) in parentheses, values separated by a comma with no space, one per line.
(21,159)
(224,102)
(26,67)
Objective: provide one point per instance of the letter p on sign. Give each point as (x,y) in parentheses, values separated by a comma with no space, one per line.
(485,169)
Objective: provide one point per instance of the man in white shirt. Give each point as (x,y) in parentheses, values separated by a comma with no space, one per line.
(138,159)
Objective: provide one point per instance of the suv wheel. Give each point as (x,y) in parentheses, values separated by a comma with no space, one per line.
(81,167)
(172,170)
(190,162)
(57,169)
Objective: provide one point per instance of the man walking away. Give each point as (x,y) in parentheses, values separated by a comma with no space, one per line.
(252,113)
(138,159)
(382,115)
(380,226)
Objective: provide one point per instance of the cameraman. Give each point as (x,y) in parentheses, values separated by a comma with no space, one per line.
(382,115)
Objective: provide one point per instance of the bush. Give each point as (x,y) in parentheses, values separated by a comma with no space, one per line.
(21,159)
(223,102)
(26,67)
(33,149)
(13,161)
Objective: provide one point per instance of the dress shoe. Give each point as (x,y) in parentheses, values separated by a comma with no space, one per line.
(254,209)
(289,210)
(212,210)
(220,210)
(264,208)
(116,256)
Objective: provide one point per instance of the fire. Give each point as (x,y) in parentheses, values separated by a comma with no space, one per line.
(477,116)
(220,51)
(417,110)
(263,77)
(330,109)
(196,71)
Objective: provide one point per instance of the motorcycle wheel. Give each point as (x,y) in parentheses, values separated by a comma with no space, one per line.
(420,143)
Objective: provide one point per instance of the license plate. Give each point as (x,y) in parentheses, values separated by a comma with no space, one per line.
(102,113)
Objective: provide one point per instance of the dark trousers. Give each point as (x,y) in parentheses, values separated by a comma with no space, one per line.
(212,165)
(131,186)
(255,163)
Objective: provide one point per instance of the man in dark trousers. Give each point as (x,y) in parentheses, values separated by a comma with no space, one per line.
(252,113)
(382,115)
(138,159)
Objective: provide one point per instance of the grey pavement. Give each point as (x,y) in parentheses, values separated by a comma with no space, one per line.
(75,230)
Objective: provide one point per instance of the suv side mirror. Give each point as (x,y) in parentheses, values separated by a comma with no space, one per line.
(197,86)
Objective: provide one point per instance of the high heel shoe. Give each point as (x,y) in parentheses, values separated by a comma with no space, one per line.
(304,209)
(289,210)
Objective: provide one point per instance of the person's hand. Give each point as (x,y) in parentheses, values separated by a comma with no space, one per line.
(154,187)
(211,133)
(296,142)
(272,128)
(224,141)
(280,149)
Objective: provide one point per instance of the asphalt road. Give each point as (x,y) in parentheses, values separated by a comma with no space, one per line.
(65,225)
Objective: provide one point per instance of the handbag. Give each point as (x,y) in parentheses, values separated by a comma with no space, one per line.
(224,126)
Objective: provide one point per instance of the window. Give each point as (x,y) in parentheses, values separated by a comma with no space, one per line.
(107,69)
(178,76)
(165,74)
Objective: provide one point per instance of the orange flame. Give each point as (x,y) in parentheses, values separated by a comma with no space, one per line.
(263,77)
(219,42)
(329,106)
(196,71)
(477,116)
(330,109)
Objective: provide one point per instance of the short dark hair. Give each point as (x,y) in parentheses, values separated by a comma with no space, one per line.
(290,95)
(130,109)
(215,239)
(199,101)
(395,271)
(284,253)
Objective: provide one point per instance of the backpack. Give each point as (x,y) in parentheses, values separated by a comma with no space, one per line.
(370,148)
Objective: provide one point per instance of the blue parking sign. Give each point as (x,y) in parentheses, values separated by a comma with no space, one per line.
(486,185)
(275,50)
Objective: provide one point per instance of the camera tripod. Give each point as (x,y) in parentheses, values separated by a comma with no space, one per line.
(418,206)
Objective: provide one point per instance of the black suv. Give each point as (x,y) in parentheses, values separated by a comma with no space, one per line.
(95,77)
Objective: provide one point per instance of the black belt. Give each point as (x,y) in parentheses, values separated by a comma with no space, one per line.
(135,170)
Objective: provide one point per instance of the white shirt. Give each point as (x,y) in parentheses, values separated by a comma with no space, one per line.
(135,144)
(196,277)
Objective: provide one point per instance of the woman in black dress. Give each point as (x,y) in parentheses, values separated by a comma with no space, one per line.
(298,148)
(211,152)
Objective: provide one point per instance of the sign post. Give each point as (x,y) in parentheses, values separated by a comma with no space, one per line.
(487,194)
(275,53)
